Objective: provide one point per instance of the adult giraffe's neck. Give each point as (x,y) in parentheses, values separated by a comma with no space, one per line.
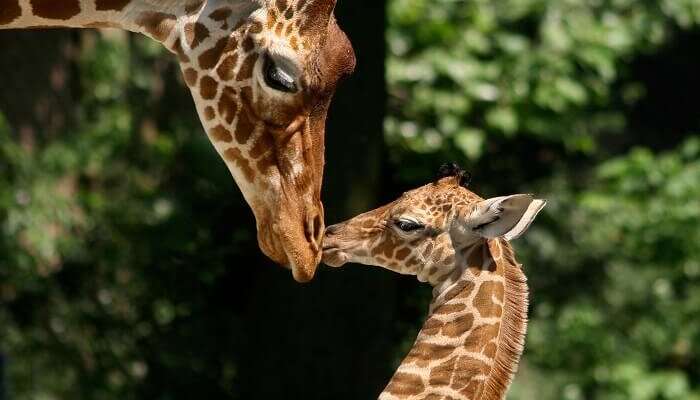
(155,18)
(470,345)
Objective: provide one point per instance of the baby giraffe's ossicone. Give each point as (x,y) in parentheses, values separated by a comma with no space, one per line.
(470,345)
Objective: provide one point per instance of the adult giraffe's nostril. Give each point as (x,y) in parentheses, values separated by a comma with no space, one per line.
(314,231)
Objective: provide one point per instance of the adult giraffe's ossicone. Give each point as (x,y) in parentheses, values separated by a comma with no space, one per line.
(262,74)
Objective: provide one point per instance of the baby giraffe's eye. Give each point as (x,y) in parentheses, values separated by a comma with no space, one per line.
(408,225)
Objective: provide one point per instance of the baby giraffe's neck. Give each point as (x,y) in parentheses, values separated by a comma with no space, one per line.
(470,345)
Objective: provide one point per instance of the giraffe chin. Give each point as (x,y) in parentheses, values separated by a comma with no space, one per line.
(334,258)
(283,240)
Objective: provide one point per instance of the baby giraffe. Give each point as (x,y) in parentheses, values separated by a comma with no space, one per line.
(470,345)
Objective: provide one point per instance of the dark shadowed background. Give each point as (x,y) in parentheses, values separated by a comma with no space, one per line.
(128,261)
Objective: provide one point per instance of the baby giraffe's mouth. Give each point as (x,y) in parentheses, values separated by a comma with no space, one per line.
(334,256)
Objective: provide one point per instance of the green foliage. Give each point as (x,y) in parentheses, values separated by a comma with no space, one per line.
(465,72)
(117,239)
(539,96)
(89,222)
(616,313)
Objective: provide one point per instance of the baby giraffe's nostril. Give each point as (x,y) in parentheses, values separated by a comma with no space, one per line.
(332,230)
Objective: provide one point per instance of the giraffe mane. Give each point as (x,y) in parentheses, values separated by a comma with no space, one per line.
(511,338)
(453,170)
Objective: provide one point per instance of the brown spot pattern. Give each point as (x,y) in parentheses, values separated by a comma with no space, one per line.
(472,390)
(9,11)
(209,113)
(244,126)
(462,288)
(483,301)
(255,27)
(281,5)
(490,350)
(195,33)
(177,49)
(209,58)
(459,326)
(53,9)
(191,77)
(385,247)
(246,70)
(228,104)
(157,24)
(405,385)
(266,163)
(248,44)
(442,374)
(262,145)
(481,336)
(225,69)
(221,14)
(234,155)
(402,253)
(271,18)
(221,134)
(111,5)
(208,87)
(450,308)
(278,28)
(423,352)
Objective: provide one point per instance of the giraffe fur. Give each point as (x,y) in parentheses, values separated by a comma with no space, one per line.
(262,74)
(470,344)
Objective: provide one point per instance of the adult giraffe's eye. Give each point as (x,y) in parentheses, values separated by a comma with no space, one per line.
(408,225)
(277,77)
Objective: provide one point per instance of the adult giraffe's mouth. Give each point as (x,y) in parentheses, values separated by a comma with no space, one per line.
(290,218)
(290,232)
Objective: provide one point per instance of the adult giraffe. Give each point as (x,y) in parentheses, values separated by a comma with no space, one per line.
(262,74)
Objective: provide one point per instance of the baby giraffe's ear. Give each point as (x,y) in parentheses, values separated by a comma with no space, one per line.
(507,216)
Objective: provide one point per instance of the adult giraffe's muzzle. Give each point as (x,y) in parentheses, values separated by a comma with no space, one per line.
(286,150)
(290,218)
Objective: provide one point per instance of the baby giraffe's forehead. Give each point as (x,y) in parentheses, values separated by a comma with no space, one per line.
(436,197)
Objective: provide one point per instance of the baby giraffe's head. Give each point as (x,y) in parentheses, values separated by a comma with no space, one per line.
(430,230)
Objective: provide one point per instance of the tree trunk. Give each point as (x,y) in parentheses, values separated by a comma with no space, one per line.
(331,338)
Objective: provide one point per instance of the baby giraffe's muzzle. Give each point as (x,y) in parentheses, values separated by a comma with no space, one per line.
(333,254)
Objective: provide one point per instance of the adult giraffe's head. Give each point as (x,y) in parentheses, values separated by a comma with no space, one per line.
(263,91)
(262,73)
(429,231)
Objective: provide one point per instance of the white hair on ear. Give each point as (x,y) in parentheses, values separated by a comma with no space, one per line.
(532,210)
(507,216)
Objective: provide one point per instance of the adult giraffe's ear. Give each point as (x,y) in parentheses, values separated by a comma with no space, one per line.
(318,14)
(507,216)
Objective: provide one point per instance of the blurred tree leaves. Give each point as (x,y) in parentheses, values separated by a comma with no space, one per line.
(627,251)
(465,70)
(90,220)
(102,294)
(536,96)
